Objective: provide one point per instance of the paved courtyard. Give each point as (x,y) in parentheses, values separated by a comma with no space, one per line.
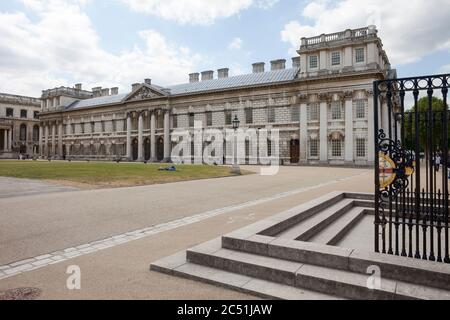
(13,187)
(35,225)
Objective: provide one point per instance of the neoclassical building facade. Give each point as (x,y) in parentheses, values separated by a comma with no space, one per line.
(322,107)
(19,126)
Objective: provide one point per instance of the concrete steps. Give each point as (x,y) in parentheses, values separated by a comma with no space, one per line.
(330,281)
(293,255)
(311,226)
(333,233)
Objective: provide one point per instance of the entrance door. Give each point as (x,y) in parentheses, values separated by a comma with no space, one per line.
(160,149)
(135,149)
(295,150)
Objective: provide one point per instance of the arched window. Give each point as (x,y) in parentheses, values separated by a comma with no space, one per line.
(36,133)
(23,132)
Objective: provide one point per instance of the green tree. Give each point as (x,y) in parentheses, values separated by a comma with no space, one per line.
(436,129)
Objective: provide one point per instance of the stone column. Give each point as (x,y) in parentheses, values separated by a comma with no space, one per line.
(370,128)
(53,139)
(348,127)
(41,136)
(303,130)
(46,140)
(5,140)
(167,136)
(324,131)
(153,137)
(140,136)
(60,140)
(10,140)
(128,137)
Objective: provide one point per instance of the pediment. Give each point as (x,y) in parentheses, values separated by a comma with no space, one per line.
(146,92)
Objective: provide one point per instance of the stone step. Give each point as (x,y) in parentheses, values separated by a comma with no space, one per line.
(308,228)
(178,266)
(333,233)
(425,273)
(330,281)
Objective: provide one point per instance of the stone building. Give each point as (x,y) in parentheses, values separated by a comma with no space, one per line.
(19,126)
(322,107)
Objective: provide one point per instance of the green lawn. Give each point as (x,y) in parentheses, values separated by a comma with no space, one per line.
(108,174)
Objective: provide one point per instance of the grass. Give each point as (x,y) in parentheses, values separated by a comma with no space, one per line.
(107,174)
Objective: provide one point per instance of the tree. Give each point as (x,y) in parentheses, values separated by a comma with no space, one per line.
(424,121)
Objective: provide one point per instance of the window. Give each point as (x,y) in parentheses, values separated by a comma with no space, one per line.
(313,148)
(23,113)
(313,62)
(313,112)
(360,108)
(36,133)
(336,111)
(103,126)
(269,147)
(175,121)
(10,112)
(114,125)
(336,148)
(228,117)
(359,55)
(72,128)
(248,115)
(23,132)
(82,127)
(335,58)
(270,114)
(36,114)
(361,147)
(92,127)
(191,119)
(295,114)
(159,121)
(208,118)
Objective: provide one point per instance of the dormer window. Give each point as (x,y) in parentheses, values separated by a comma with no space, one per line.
(359,55)
(335,58)
(313,62)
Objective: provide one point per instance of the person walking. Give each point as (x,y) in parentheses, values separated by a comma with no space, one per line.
(437,162)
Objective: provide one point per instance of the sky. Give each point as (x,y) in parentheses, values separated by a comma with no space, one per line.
(51,43)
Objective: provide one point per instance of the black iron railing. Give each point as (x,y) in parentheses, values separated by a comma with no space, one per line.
(411,167)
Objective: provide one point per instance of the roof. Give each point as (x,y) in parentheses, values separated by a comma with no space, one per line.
(99,101)
(245,80)
(235,82)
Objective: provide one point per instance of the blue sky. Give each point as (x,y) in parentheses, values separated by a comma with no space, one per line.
(50,43)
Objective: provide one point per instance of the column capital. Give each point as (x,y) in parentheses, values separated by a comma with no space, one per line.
(303,98)
(325,97)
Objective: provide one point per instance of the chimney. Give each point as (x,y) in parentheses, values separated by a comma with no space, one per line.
(207,75)
(134,86)
(114,91)
(148,81)
(296,62)
(105,92)
(194,77)
(223,73)
(97,92)
(258,67)
(278,64)
(78,86)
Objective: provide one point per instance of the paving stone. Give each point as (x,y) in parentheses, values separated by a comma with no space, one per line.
(44,256)
(42,262)
(169,263)
(19,263)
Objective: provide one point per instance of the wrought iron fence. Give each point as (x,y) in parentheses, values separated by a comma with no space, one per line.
(411,167)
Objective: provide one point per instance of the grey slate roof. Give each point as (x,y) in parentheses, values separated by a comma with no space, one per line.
(245,80)
(235,82)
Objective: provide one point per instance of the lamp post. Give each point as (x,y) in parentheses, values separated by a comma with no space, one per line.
(235,169)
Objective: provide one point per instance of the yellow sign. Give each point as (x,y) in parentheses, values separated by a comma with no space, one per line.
(387,172)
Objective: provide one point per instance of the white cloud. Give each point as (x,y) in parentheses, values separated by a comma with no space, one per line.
(235,44)
(201,12)
(195,12)
(266,4)
(409,29)
(62,48)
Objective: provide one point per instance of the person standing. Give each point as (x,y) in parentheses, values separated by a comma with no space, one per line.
(437,162)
